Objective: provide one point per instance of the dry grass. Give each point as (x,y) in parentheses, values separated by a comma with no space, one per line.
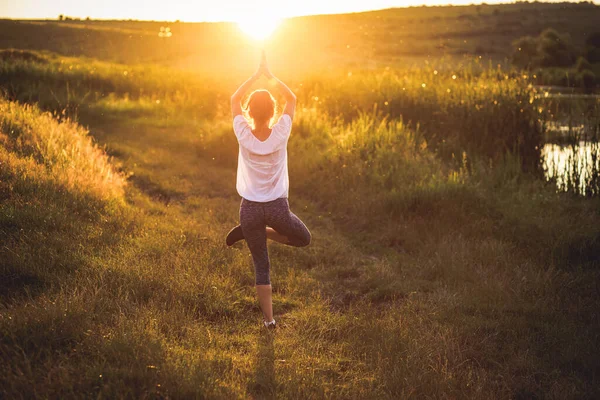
(63,150)
(425,279)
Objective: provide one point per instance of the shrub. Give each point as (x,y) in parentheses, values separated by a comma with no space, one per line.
(549,49)
(555,50)
(525,52)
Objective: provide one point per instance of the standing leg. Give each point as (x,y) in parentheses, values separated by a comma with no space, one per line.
(254,228)
(264,294)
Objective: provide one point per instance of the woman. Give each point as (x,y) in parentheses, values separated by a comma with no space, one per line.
(262,181)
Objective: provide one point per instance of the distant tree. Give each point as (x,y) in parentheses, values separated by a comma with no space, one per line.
(88,19)
(61,17)
(525,52)
(592,48)
(555,50)
(549,49)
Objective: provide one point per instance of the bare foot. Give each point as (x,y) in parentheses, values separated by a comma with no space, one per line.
(274,235)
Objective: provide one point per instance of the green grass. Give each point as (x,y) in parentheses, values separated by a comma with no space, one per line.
(426,278)
(457,295)
(480,109)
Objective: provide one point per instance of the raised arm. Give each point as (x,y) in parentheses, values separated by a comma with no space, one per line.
(236,98)
(290,97)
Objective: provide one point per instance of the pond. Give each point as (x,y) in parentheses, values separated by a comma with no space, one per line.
(574,167)
(571,153)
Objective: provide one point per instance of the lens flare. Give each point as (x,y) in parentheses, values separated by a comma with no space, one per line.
(259,27)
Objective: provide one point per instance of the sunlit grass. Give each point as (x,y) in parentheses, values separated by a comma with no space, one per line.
(468,108)
(425,278)
(62,148)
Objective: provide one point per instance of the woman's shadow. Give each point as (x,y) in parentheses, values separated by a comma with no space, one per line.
(263,385)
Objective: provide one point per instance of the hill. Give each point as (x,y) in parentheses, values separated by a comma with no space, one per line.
(373,39)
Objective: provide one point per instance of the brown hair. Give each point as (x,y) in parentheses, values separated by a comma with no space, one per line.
(260,106)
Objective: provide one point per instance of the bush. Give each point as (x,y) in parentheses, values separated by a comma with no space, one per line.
(525,53)
(555,50)
(549,49)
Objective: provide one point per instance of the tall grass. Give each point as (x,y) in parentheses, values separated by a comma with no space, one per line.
(61,201)
(360,165)
(61,196)
(64,151)
(481,111)
(459,109)
(75,84)
(467,113)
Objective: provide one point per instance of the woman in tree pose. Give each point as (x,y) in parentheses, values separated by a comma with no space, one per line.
(263,182)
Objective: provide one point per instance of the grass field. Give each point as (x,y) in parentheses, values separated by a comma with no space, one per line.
(441,265)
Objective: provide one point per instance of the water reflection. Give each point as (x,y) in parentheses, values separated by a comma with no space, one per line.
(574,167)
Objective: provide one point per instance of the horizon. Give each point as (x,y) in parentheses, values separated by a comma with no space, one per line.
(221,13)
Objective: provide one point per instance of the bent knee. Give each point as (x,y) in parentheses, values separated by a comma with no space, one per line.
(306,240)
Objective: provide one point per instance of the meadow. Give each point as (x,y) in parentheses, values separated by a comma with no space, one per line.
(443,264)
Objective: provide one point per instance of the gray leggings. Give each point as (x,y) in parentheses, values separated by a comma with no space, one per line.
(254,219)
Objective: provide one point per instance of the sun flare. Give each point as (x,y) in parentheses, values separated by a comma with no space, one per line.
(259,27)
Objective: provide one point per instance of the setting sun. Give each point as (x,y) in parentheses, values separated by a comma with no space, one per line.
(259,27)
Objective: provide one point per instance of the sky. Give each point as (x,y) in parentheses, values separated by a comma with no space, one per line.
(199,10)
